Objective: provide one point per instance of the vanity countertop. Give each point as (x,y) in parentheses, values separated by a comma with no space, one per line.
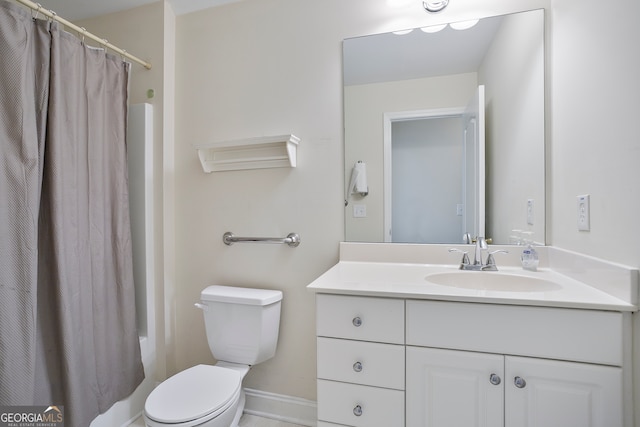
(408,280)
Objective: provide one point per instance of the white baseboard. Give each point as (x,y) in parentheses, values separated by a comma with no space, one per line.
(280,407)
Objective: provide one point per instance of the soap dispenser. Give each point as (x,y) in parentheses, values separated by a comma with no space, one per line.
(529,255)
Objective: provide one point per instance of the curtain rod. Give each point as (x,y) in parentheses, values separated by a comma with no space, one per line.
(80,30)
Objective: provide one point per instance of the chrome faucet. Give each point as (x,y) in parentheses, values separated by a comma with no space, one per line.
(478,265)
(481,245)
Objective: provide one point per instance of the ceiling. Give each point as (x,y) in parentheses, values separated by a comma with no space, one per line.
(75,10)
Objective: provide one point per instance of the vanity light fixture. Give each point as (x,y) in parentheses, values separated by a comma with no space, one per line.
(464,25)
(402,32)
(433,28)
(434,5)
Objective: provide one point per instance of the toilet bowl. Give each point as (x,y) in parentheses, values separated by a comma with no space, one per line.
(242,330)
(204,395)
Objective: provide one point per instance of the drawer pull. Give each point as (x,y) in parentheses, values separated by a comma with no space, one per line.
(494,379)
(357,322)
(357,367)
(357,411)
(519,382)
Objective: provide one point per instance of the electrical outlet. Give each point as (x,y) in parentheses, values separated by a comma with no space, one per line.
(583,213)
(459,209)
(530,211)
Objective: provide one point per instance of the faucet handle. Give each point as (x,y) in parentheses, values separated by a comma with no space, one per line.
(489,240)
(465,256)
(491,260)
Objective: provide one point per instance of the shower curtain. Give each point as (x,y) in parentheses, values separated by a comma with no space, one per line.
(67,312)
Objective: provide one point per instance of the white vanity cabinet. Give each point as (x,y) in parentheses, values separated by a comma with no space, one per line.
(425,363)
(361,361)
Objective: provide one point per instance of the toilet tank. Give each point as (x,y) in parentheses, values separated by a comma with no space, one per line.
(242,324)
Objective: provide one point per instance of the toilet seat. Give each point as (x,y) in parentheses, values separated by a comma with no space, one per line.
(193,396)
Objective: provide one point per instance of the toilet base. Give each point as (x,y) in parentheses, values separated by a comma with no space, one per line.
(240,410)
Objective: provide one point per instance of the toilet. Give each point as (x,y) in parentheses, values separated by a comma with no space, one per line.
(242,326)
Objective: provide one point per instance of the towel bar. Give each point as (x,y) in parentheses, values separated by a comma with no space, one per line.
(292,239)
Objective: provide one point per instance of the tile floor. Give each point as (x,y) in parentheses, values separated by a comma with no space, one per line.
(245,421)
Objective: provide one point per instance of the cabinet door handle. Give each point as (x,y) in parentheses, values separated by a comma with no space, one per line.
(519,382)
(357,322)
(357,367)
(494,379)
(357,411)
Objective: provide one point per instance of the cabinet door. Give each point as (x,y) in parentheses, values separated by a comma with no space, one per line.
(450,388)
(551,393)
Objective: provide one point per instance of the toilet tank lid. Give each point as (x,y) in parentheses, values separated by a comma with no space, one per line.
(237,295)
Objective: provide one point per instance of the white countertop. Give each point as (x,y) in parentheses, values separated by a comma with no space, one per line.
(407,280)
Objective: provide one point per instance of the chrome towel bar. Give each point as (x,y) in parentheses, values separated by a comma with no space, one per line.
(292,239)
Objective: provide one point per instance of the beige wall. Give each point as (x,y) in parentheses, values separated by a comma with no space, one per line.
(265,67)
(595,146)
(245,70)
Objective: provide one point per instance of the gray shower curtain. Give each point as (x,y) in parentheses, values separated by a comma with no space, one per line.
(24,45)
(67,312)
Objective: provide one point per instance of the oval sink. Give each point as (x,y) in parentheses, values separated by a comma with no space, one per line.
(492,281)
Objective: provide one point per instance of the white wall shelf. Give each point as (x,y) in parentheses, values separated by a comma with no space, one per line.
(250,153)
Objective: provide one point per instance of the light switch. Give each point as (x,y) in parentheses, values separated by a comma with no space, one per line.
(359,211)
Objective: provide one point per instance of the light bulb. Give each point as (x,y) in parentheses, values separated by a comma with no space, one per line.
(464,25)
(402,32)
(433,28)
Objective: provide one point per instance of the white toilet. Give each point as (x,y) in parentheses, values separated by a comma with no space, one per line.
(242,327)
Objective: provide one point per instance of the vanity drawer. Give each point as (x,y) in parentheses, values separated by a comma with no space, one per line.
(360,318)
(553,333)
(361,362)
(360,406)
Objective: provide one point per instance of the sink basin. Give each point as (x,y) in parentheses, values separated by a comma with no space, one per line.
(492,281)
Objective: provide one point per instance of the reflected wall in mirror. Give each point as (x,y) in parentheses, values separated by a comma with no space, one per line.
(388,76)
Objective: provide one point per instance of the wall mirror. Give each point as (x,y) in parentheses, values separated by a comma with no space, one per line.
(415,167)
